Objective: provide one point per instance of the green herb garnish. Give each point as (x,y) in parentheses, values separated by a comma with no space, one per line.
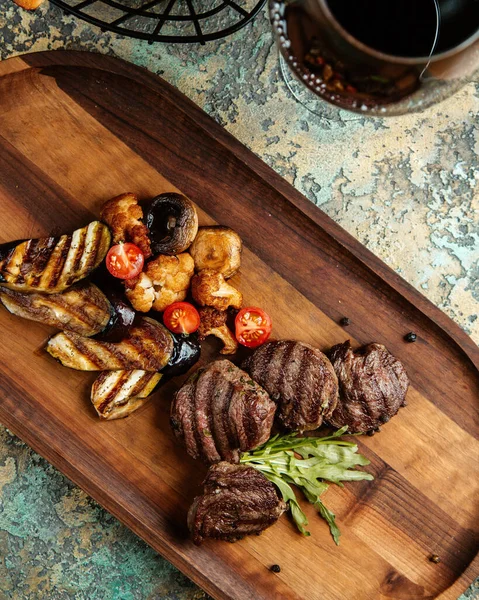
(307,463)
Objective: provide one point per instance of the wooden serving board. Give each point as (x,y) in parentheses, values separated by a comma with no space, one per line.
(77,129)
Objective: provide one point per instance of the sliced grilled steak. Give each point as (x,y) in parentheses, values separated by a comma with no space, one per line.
(299,378)
(237,501)
(82,308)
(372,386)
(148,347)
(220,411)
(52,264)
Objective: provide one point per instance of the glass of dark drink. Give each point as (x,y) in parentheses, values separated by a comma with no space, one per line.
(379,57)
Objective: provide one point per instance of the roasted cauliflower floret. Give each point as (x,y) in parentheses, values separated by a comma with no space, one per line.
(209,288)
(213,322)
(123,216)
(140,292)
(166,279)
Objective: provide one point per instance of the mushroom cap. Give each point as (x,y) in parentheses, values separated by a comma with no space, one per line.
(218,248)
(173,223)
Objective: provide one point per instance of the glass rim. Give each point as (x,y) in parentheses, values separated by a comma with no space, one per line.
(393,58)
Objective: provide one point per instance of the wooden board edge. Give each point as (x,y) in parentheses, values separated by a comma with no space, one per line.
(465,580)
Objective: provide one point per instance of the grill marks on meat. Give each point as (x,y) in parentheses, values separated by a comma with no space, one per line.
(300,378)
(237,500)
(52,264)
(148,347)
(372,385)
(220,412)
(82,308)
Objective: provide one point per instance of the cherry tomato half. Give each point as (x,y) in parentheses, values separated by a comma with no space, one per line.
(181,317)
(125,261)
(253,326)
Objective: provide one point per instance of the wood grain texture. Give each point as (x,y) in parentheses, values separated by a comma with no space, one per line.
(77,129)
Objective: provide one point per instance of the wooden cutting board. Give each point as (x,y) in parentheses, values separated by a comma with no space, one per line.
(77,129)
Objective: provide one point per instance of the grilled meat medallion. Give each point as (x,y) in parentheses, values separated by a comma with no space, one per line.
(237,500)
(148,347)
(372,386)
(299,378)
(220,411)
(82,308)
(52,264)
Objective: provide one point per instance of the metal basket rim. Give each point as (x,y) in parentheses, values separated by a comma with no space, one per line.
(163,18)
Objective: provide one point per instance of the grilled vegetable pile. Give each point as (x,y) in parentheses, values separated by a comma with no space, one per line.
(149,256)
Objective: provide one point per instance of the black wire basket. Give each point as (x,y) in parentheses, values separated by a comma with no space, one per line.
(168,21)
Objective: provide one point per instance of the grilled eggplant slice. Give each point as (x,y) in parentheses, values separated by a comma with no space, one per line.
(116,394)
(148,347)
(83,308)
(53,264)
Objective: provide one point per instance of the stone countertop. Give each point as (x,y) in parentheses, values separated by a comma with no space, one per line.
(406,187)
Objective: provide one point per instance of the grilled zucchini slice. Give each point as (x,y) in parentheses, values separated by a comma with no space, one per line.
(53,264)
(116,394)
(83,308)
(148,347)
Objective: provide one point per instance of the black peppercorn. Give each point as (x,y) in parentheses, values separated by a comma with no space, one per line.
(345,322)
(275,568)
(410,337)
(434,558)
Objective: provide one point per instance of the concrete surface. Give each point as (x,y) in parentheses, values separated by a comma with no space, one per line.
(407,188)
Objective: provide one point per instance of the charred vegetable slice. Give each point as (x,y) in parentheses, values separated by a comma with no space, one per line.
(83,308)
(116,394)
(53,264)
(148,347)
(186,353)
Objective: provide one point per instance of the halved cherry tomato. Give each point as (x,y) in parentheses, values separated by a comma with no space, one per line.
(125,261)
(253,326)
(181,317)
